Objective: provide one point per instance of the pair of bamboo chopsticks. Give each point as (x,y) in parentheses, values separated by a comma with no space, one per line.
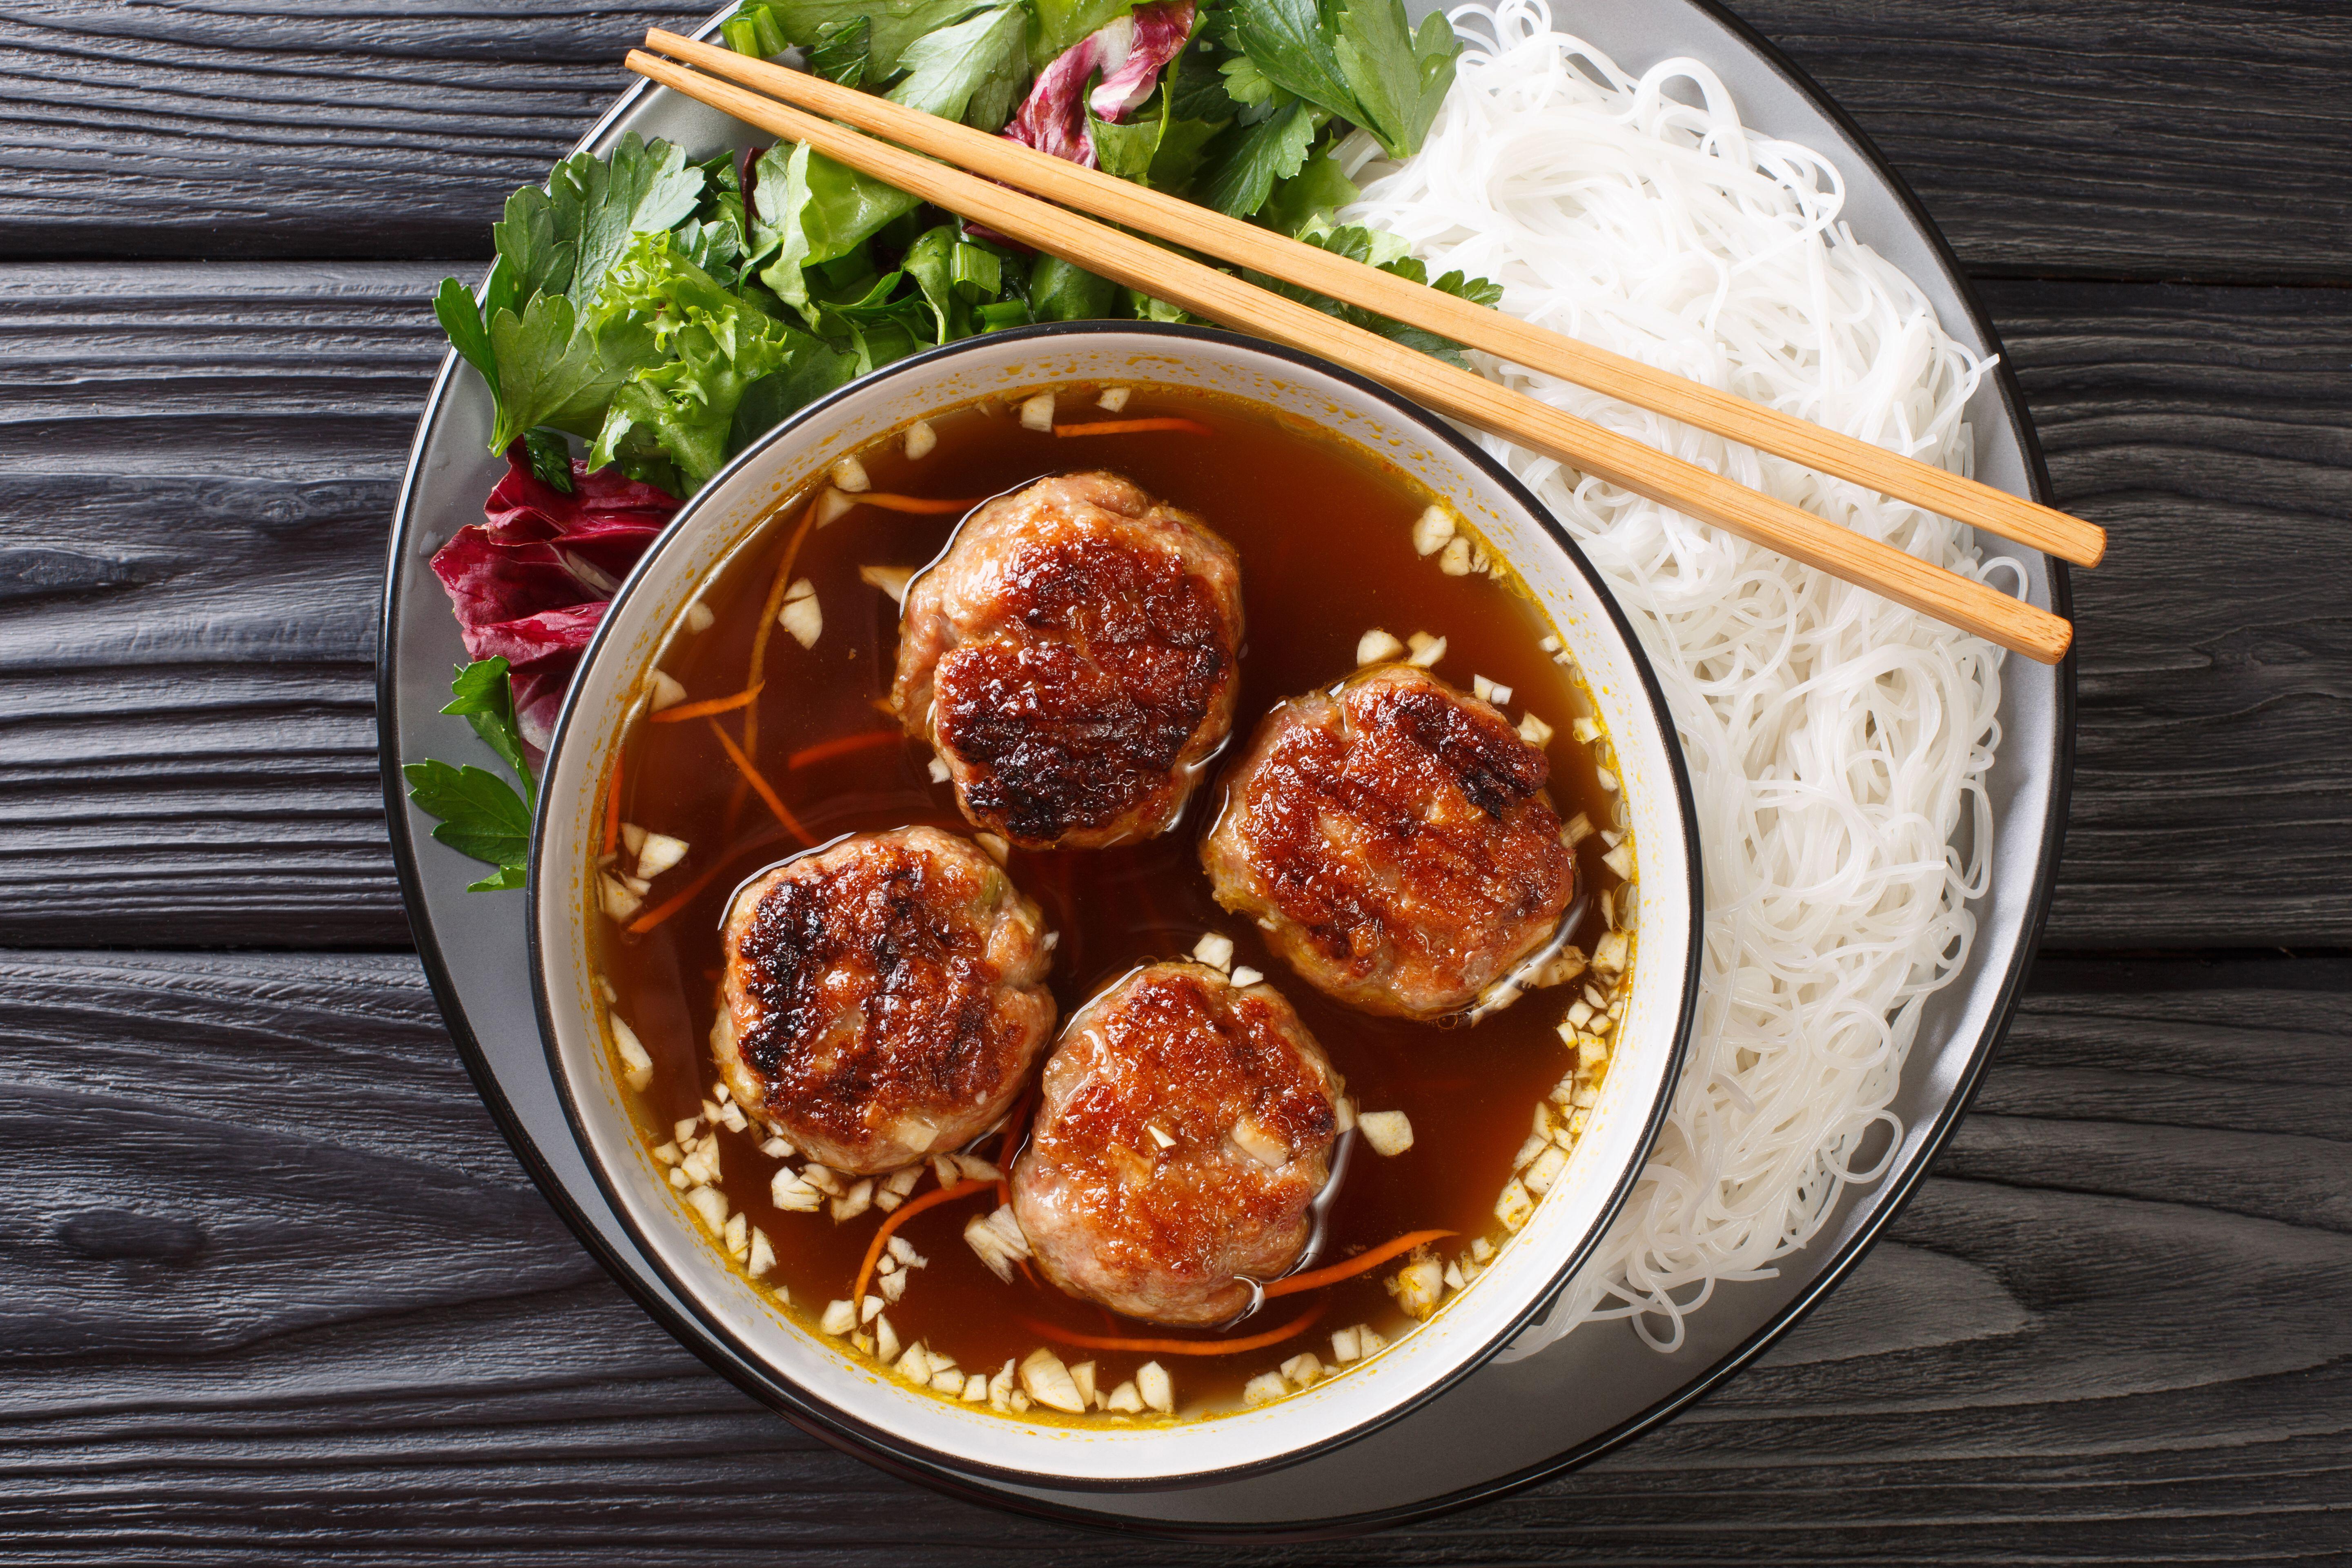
(911,160)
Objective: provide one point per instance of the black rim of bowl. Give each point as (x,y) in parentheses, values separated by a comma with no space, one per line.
(778,1387)
(1885,1202)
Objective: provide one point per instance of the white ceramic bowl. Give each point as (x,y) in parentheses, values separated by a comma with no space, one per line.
(840,1392)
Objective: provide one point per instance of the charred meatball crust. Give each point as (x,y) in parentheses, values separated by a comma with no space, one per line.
(1072,657)
(1393,838)
(1185,1128)
(883,998)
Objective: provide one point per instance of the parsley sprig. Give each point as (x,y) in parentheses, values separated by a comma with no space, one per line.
(480,815)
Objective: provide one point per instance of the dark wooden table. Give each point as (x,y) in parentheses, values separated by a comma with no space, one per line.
(273,1288)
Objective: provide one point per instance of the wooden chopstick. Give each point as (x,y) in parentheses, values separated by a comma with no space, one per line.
(1854,558)
(1211,233)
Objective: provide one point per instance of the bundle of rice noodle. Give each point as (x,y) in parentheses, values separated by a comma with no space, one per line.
(1835,740)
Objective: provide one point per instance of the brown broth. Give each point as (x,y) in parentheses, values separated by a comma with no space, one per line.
(1324,530)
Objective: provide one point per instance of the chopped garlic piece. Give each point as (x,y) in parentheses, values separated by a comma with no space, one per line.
(1303,1369)
(1345,1109)
(1432,530)
(944,1167)
(1000,1388)
(1576,830)
(823,1178)
(1037,413)
(892,1286)
(891,580)
(938,770)
(1043,1378)
(776,1148)
(1615,951)
(921,438)
(668,1154)
(1158,1392)
(976,1169)
(1265,1388)
(999,850)
(1605,779)
(1416,1286)
(1515,1208)
(1486,690)
(1528,1152)
(698,617)
(975,1388)
(1388,1132)
(1245,975)
(1113,398)
(663,691)
(711,1204)
(763,1254)
(1124,1400)
(831,506)
(886,1338)
(1585,731)
(637,1066)
(849,474)
(869,1309)
(1344,1348)
(1083,1377)
(840,1317)
(899,1184)
(1455,560)
(900,1248)
(1454,1280)
(659,853)
(1534,731)
(1369,1342)
(1426,651)
(1377,646)
(1621,860)
(915,1366)
(854,1202)
(619,903)
(802,614)
(1260,1144)
(1215,949)
(947,1381)
(1545,1170)
(633,837)
(790,1194)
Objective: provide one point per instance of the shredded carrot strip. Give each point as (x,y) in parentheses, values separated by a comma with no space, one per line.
(775,802)
(826,750)
(1354,1266)
(613,809)
(1126,426)
(905,1212)
(1178,1347)
(905,503)
(706,708)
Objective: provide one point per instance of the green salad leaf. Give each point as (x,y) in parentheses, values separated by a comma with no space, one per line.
(480,814)
(1056,24)
(971,72)
(891,26)
(1245,162)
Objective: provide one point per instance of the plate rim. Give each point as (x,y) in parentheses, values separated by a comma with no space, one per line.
(1887,1199)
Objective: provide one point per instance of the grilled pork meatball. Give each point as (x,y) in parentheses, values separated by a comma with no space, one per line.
(882,999)
(1072,657)
(1186,1125)
(1394,840)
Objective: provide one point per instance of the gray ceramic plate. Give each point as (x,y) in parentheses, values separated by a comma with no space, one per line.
(1502,1427)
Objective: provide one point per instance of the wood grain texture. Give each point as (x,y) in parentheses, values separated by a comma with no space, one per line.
(199,461)
(275,1292)
(2112,137)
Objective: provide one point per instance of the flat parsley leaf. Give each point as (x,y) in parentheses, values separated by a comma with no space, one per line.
(484,695)
(478,812)
(969,71)
(1246,162)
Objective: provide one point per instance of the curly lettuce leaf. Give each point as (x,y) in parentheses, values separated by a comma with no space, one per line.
(716,345)
(812,210)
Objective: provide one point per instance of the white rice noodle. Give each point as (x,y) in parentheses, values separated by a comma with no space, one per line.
(1836,742)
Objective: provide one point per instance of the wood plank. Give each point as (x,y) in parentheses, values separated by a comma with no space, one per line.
(275,1292)
(2106,136)
(187,760)
(2209,431)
